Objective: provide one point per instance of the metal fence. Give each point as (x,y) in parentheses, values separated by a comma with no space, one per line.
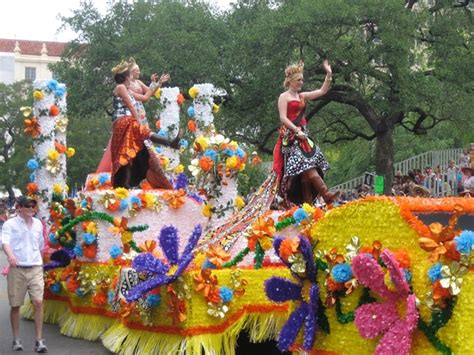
(438,187)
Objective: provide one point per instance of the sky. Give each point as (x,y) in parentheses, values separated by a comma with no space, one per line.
(38,20)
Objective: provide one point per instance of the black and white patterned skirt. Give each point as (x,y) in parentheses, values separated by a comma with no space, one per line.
(295,162)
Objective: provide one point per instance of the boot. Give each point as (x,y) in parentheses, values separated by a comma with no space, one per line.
(306,192)
(320,186)
(174,143)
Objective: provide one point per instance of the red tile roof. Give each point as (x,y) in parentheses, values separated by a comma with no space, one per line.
(55,49)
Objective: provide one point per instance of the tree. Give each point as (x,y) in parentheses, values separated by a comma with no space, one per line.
(389,61)
(14,148)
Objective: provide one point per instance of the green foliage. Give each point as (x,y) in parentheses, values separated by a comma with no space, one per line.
(15,147)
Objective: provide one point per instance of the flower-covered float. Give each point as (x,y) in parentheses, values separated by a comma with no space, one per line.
(186,270)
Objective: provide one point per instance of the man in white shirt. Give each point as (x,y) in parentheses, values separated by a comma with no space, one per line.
(22,240)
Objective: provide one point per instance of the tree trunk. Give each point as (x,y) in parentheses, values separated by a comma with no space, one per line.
(384,158)
(11,194)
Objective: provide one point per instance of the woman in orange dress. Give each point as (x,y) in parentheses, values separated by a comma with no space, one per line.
(298,162)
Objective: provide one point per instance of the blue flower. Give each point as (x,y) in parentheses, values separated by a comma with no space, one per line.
(407,275)
(341,272)
(56,287)
(32,164)
(181,181)
(115,251)
(465,242)
(80,292)
(52,239)
(110,296)
(300,215)
(60,90)
(240,153)
(229,152)
(434,273)
(32,177)
(191,111)
(208,265)
(158,149)
(163,133)
(153,300)
(211,154)
(103,178)
(84,203)
(305,313)
(147,262)
(52,85)
(78,250)
(88,238)
(226,294)
(183,143)
(123,205)
(137,201)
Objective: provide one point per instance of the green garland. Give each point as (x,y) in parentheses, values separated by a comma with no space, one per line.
(285,223)
(237,259)
(133,245)
(259,254)
(438,320)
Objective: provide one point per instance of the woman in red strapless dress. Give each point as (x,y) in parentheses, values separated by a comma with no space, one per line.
(298,163)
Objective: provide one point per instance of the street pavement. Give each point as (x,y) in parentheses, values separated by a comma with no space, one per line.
(59,344)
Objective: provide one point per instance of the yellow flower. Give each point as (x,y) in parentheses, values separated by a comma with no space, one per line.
(233,145)
(53,154)
(121,193)
(164,161)
(179,169)
(57,188)
(149,200)
(26,110)
(231,162)
(91,228)
(66,188)
(158,93)
(127,237)
(242,167)
(38,95)
(193,92)
(215,108)
(207,210)
(308,209)
(70,152)
(202,142)
(239,202)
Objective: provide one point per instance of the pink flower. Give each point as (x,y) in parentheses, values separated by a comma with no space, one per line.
(374,319)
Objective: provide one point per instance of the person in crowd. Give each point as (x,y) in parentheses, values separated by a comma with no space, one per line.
(298,162)
(22,241)
(465,159)
(131,159)
(468,182)
(452,177)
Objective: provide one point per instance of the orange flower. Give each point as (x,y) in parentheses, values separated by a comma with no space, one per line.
(262,232)
(32,127)
(176,306)
(90,251)
(114,206)
(206,283)
(60,148)
(100,298)
(175,199)
(288,247)
(206,163)
(333,285)
(158,124)
(148,246)
(217,255)
(403,258)
(54,110)
(120,226)
(72,285)
(256,160)
(180,99)
(192,126)
(32,188)
(440,293)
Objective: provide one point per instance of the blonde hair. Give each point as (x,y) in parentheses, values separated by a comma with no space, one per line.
(293,72)
(122,67)
(132,63)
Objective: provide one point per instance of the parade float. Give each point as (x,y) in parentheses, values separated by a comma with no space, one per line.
(187,270)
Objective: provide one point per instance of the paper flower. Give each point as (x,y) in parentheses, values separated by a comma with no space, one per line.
(451,277)
(261,231)
(465,242)
(70,152)
(375,319)
(158,93)
(305,291)
(193,92)
(54,110)
(163,274)
(180,99)
(191,123)
(32,127)
(32,164)
(38,95)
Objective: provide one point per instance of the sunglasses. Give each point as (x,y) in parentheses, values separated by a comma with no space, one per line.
(29,206)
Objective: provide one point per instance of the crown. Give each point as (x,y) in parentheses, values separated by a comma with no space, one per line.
(131,62)
(120,68)
(296,68)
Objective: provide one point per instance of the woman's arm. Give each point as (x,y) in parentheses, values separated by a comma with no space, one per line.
(123,93)
(149,91)
(312,95)
(282,110)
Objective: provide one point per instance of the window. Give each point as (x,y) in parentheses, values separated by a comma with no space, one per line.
(30,74)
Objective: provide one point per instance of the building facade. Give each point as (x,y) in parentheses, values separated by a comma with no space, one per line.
(28,60)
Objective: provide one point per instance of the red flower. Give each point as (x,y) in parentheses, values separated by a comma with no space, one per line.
(180,99)
(192,126)
(54,110)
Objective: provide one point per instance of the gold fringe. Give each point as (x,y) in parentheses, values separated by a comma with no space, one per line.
(124,341)
(53,311)
(84,326)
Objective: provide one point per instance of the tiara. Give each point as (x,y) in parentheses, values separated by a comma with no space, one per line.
(296,68)
(131,62)
(121,67)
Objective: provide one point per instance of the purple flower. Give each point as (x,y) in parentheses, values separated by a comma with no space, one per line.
(60,258)
(305,291)
(146,262)
(181,181)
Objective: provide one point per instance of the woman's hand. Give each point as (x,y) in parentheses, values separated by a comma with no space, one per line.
(164,78)
(300,134)
(327,67)
(154,77)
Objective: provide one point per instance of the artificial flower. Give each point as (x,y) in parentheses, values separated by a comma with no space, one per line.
(215,108)
(217,255)
(38,95)
(192,126)
(191,112)
(231,162)
(239,202)
(179,169)
(70,152)
(57,188)
(53,166)
(60,148)
(26,111)
(32,127)
(158,93)
(53,155)
(261,231)
(60,124)
(180,99)
(32,188)
(207,210)
(121,193)
(175,199)
(54,110)
(207,285)
(206,163)
(451,277)
(201,143)
(193,92)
